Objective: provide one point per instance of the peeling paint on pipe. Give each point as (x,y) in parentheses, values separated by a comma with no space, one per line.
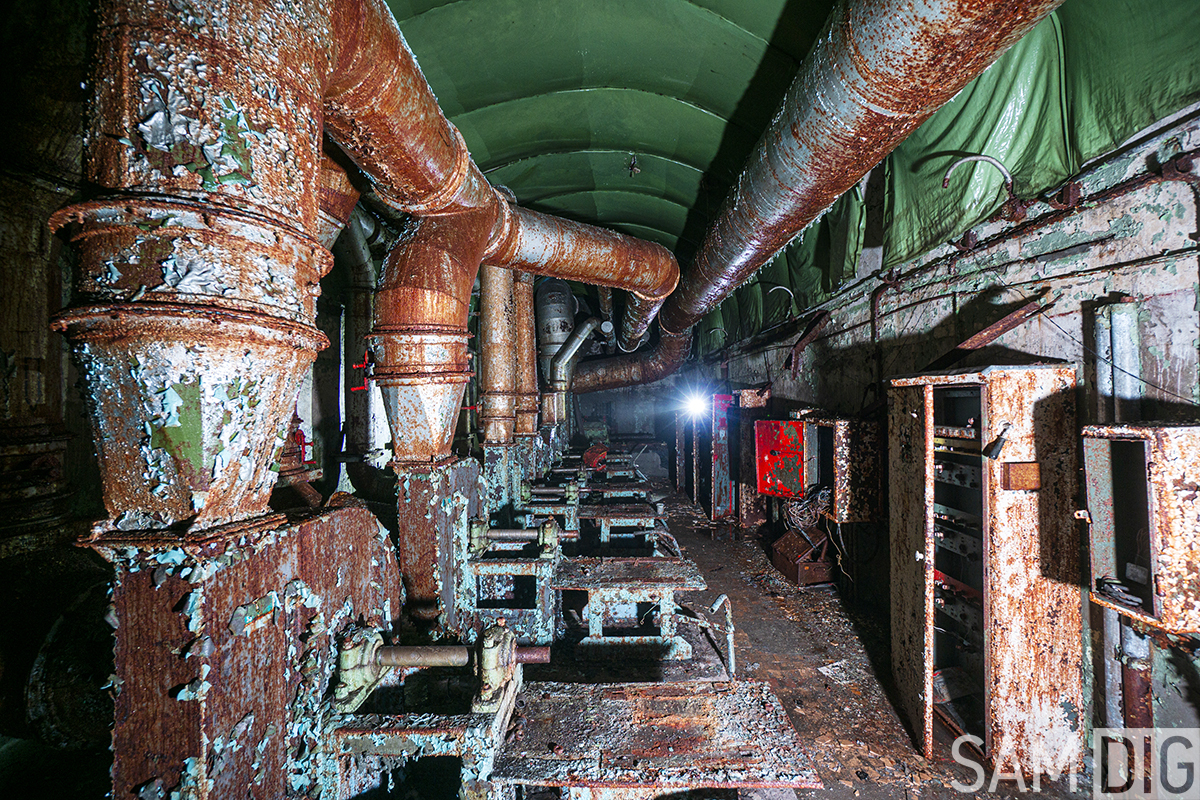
(527,383)
(419,341)
(878,71)
(498,357)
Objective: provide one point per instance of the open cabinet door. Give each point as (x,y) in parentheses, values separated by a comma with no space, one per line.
(910,478)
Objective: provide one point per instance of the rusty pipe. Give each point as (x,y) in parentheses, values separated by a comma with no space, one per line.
(554,402)
(526,355)
(448,656)
(498,377)
(633,369)
(423,656)
(199,258)
(881,70)
(419,341)
(380,110)
(559,248)
(564,360)
(337,198)
(878,72)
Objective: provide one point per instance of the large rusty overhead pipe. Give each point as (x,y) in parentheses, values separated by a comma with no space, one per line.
(564,360)
(881,68)
(633,369)
(381,111)
(559,248)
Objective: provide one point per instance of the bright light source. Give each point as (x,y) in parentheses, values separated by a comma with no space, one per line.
(695,405)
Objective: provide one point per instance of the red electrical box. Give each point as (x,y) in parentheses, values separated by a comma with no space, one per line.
(779,457)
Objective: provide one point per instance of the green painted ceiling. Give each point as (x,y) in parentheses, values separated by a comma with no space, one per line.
(555,98)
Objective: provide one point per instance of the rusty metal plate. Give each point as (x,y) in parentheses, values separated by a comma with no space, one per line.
(1034,645)
(1021,477)
(850,449)
(629,735)
(910,480)
(591,573)
(434,506)
(620,511)
(751,406)
(225,650)
(779,457)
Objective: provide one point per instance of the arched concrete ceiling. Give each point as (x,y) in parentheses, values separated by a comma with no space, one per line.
(557,98)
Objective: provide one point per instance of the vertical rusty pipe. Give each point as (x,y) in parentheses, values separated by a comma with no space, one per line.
(526,355)
(498,379)
(877,73)
(206,153)
(604,293)
(573,251)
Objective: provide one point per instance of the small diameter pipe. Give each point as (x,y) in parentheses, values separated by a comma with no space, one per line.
(512,534)
(1008,178)
(533,655)
(449,656)
(564,359)
(432,656)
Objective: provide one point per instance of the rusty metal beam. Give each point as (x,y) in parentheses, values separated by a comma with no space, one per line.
(991,333)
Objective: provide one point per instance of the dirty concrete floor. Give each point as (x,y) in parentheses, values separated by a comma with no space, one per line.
(818,657)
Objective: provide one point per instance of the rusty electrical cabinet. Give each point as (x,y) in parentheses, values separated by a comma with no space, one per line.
(721,491)
(779,457)
(843,454)
(986,606)
(750,407)
(1143,504)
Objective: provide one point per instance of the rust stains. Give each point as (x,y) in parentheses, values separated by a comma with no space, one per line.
(635,368)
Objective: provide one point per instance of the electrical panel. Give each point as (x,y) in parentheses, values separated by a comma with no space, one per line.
(844,455)
(779,457)
(1143,503)
(986,606)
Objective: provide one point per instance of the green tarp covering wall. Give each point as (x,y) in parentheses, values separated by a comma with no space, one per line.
(1087,78)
